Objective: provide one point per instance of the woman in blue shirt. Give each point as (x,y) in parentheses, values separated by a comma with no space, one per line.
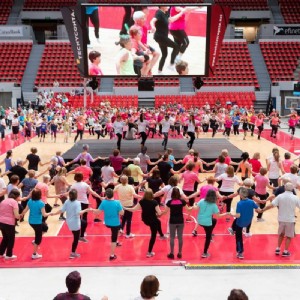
(207,208)
(37,210)
(112,211)
(72,207)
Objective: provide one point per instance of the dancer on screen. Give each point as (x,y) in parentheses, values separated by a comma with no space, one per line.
(93,15)
(124,60)
(160,27)
(95,59)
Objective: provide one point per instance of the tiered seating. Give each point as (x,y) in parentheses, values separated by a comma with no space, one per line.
(115,101)
(290,10)
(234,66)
(245,4)
(58,63)
(47,5)
(133,82)
(6,6)
(281,58)
(13,60)
(200,99)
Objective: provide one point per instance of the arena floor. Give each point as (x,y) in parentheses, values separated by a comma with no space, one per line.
(131,266)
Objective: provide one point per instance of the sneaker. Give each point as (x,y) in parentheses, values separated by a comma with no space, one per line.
(36,256)
(170,255)
(150,254)
(118,244)
(179,255)
(230,230)
(286,253)
(163,237)
(277,251)
(62,219)
(205,255)
(240,255)
(121,231)
(129,236)
(248,234)
(74,255)
(84,240)
(260,220)
(112,257)
(10,257)
(171,68)
(194,232)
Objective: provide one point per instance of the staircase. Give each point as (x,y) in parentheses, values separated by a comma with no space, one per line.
(186,85)
(31,71)
(297,72)
(262,99)
(275,9)
(13,18)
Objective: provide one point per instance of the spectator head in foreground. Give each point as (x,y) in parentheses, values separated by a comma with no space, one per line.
(149,287)
(237,294)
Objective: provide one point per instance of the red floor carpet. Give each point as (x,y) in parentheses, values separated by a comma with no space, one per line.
(259,249)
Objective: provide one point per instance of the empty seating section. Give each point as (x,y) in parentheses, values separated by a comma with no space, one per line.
(5,8)
(234,66)
(159,81)
(114,100)
(281,58)
(13,60)
(290,10)
(47,5)
(200,99)
(245,4)
(58,63)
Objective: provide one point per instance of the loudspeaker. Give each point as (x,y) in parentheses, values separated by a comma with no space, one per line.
(198,83)
(93,83)
(146,84)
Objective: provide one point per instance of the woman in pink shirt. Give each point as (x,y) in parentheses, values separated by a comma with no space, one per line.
(190,184)
(262,182)
(287,162)
(9,212)
(275,121)
(177,29)
(259,123)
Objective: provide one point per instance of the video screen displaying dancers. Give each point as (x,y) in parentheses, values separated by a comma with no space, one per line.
(146,40)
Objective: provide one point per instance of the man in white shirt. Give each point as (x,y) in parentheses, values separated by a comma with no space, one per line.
(292,176)
(286,203)
(165,131)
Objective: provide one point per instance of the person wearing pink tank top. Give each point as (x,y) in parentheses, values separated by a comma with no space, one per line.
(177,30)
(287,162)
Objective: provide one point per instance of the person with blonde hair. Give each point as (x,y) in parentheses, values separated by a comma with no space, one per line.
(126,194)
(150,212)
(227,188)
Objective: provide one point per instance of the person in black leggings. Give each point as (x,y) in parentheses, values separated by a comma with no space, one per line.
(160,24)
(150,211)
(75,224)
(191,131)
(93,15)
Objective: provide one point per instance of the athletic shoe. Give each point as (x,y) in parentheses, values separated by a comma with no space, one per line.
(171,68)
(260,220)
(163,237)
(121,231)
(36,256)
(74,255)
(240,255)
(150,254)
(230,230)
(170,255)
(118,244)
(112,257)
(286,253)
(277,251)
(248,234)
(10,257)
(84,240)
(179,255)
(194,232)
(205,255)
(129,236)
